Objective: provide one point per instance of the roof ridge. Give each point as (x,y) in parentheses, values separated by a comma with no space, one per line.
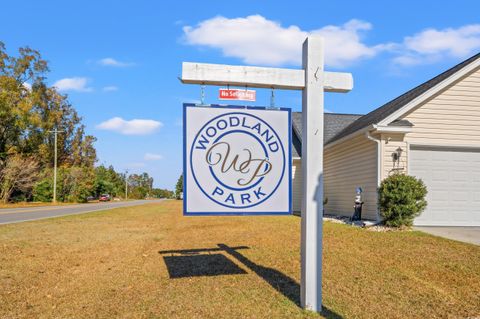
(333,113)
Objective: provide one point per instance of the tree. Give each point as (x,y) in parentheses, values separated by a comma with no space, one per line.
(16,100)
(77,184)
(18,174)
(179,187)
(43,189)
(29,110)
(108,181)
(140,185)
(162,193)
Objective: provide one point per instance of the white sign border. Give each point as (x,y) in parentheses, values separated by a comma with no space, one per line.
(289,161)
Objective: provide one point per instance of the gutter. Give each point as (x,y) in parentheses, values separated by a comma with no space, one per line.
(351,135)
(392,129)
(371,138)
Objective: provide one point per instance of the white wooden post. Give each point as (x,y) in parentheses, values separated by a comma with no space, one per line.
(314,81)
(312,175)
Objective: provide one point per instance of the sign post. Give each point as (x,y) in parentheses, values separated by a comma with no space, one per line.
(312,175)
(313,81)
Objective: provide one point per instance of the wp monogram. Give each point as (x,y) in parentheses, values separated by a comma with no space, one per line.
(250,167)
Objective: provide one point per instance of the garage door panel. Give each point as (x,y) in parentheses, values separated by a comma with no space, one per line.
(461,176)
(438,196)
(460,198)
(452,177)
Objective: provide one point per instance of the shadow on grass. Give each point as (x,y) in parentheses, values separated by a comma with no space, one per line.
(278,280)
(192,263)
(200,262)
(201,265)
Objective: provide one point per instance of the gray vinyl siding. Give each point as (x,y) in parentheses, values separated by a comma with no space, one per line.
(347,165)
(451,118)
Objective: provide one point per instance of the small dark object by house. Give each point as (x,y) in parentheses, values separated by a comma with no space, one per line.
(357,211)
(357,206)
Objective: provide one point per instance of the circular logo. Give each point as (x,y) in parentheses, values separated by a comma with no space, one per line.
(237,160)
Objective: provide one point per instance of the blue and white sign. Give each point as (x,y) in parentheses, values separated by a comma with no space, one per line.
(237,160)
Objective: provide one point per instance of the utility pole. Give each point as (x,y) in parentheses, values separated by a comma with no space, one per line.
(55,132)
(126,184)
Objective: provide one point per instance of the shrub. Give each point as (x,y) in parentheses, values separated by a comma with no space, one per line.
(43,190)
(401,198)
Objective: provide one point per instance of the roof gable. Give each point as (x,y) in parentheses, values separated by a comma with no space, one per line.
(398,103)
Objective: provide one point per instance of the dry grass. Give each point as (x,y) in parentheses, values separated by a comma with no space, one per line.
(31,204)
(41,204)
(107,264)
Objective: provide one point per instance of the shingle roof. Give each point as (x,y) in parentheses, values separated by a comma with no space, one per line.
(296,146)
(394,105)
(333,123)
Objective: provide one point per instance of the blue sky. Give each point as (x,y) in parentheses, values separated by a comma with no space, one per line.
(119,60)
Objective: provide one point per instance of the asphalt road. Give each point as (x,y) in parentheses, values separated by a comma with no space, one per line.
(17,215)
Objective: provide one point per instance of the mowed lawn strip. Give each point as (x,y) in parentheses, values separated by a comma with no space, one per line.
(108,264)
(31,204)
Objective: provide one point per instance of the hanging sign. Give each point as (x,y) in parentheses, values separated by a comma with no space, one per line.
(237,160)
(237,94)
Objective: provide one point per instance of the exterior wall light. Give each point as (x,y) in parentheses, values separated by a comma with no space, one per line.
(396,156)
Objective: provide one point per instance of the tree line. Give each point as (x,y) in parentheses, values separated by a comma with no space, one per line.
(29,112)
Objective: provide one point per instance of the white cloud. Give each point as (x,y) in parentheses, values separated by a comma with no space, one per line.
(257,40)
(78,84)
(113,62)
(344,46)
(152,157)
(131,127)
(110,88)
(432,45)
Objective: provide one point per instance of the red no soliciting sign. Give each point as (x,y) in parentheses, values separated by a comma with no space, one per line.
(237,94)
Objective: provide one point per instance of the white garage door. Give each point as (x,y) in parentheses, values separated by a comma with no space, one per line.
(452,176)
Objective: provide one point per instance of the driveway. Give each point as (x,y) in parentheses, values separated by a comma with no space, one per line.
(465,234)
(23,214)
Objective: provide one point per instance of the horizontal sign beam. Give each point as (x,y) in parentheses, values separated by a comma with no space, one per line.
(259,77)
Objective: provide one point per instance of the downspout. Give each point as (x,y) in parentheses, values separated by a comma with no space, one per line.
(376,140)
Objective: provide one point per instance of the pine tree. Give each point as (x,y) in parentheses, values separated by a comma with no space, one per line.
(179,188)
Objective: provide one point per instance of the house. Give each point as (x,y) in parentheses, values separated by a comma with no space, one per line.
(431,132)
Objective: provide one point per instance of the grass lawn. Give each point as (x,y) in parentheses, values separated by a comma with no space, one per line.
(113,264)
(41,204)
(31,204)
